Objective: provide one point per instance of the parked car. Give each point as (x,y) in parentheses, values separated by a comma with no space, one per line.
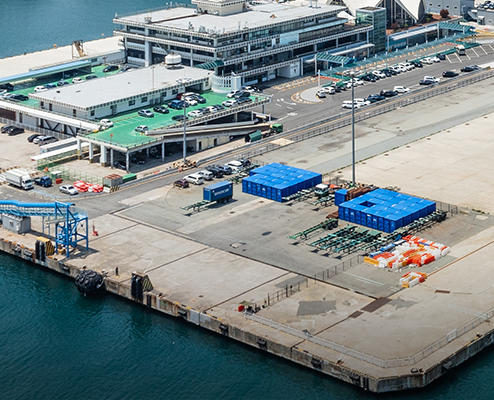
(32,137)
(177,104)
(51,86)
(449,74)
(245,162)
(181,183)
(226,169)
(145,113)
(401,89)
(106,123)
(62,83)
(15,131)
(244,100)
(370,78)
(427,60)
(110,68)
(179,117)
(232,94)
(7,86)
(441,56)
(241,94)
(417,64)
(18,97)
(230,103)
(42,140)
(195,179)
(206,175)
(217,172)
(379,74)
(195,114)
(6,128)
(89,77)
(348,104)
(321,94)
(200,99)
(68,189)
(191,101)
(77,80)
(161,109)
(38,89)
(329,90)
(142,128)
(435,59)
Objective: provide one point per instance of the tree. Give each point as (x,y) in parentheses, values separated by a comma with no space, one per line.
(444,13)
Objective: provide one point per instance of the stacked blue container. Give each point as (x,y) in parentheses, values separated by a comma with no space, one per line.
(382,209)
(275,181)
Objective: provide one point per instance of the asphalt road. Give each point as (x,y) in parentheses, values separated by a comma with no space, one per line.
(294,115)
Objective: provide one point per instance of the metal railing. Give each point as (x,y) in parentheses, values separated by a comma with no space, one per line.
(370,111)
(380,362)
(327,274)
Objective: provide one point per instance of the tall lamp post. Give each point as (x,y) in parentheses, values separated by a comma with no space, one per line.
(352,74)
(185,131)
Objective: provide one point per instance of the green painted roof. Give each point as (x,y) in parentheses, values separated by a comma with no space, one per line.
(210,64)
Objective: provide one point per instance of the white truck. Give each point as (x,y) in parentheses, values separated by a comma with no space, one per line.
(19,178)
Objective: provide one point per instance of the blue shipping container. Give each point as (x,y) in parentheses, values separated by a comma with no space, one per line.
(218,191)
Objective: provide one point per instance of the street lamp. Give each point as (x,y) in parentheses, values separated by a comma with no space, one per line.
(185,131)
(352,74)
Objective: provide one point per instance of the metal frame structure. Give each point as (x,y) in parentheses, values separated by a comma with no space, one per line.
(71,223)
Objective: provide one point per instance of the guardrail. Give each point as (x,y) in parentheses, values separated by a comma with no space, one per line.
(380,362)
(370,111)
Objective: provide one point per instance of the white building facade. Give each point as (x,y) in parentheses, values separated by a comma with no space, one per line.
(255,40)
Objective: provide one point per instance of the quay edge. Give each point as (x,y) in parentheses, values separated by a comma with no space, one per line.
(413,380)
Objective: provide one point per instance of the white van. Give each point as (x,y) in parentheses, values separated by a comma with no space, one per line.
(196,179)
(46,139)
(77,80)
(207,175)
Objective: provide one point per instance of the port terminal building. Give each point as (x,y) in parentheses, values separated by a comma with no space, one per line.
(257,41)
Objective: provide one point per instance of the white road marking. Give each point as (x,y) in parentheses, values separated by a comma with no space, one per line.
(483,49)
(366,280)
(475,52)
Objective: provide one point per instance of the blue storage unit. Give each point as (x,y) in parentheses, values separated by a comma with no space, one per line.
(275,181)
(339,196)
(383,209)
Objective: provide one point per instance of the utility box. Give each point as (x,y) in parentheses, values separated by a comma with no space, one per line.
(16,224)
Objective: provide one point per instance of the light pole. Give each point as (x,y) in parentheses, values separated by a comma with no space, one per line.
(185,132)
(352,74)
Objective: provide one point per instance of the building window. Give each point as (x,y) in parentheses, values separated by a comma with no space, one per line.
(144,99)
(92,113)
(132,102)
(50,106)
(74,112)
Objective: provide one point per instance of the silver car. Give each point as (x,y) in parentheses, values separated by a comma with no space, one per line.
(68,189)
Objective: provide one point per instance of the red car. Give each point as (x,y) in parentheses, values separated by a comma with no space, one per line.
(181,183)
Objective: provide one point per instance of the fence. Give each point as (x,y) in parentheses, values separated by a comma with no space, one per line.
(380,362)
(373,110)
(286,292)
(72,174)
(338,269)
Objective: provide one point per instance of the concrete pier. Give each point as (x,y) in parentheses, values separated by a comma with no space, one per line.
(360,325)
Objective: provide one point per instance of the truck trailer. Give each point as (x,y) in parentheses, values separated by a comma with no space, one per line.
(221,192)
(20,178)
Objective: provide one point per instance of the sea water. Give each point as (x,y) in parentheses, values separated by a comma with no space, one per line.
(57,344)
